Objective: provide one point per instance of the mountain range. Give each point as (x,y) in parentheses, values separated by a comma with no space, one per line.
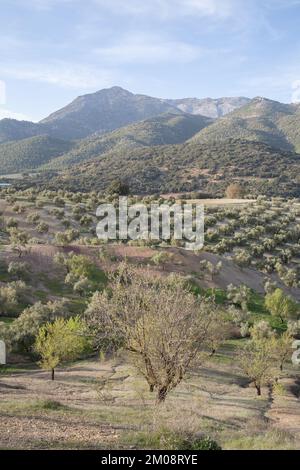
(114,127)
(110,109)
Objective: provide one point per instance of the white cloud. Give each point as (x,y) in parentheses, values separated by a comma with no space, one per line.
(147,49)
(59,73)
(6,113)
(2,92)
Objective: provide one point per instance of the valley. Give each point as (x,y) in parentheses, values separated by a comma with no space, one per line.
(54,266)
(141,344)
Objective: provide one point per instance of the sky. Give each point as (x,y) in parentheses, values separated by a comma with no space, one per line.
(54,50)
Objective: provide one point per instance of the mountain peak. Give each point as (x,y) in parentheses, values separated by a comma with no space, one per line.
(104,111)
(114,89)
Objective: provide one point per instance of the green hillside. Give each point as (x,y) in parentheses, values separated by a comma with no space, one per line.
(192,166)
(30,153)
(160,130)
(261,120)
(11,129)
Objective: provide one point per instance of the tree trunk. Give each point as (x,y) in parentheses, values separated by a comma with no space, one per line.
(161,395)
(52,374)
(258,389)
(213,352)
(151,388)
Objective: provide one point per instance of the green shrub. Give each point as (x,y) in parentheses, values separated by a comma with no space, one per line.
(167,439)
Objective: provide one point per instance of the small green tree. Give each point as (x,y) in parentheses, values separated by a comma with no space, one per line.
(60,341)
(281,306)
(256,359)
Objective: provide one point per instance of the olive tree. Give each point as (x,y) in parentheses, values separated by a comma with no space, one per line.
(24,329)
(18,240)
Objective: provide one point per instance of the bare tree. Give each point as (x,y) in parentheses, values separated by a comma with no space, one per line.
(164,326)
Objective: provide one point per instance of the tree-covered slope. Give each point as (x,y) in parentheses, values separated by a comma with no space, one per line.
(30,153)
(160,130)
(261,120)
(187,167)
(11,129)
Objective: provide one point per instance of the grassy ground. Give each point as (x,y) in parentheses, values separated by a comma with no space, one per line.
(94,404)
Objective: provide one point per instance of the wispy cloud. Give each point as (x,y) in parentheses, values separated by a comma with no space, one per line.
(60,73)
(148,49)
(41,5)
(283,84)
(170,8)
(6,113)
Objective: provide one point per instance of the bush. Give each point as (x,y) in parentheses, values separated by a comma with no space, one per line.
(202,443)
(18,269)
(168,439)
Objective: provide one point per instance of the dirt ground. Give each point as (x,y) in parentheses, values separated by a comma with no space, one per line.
(99,404)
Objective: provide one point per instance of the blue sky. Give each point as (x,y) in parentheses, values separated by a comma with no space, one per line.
(54,50)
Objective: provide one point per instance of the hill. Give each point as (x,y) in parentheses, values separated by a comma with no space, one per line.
(11,129)
(30,153)
(160,130)
(260,120)
(191,166)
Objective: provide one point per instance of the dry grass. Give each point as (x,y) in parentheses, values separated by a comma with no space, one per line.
(105,404)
